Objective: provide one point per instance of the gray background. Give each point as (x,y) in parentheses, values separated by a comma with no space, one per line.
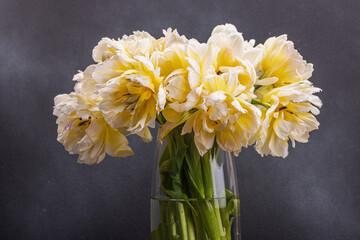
(45,194)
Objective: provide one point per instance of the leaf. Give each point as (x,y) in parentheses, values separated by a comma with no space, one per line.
(229,193)
(200,192)
(166,166)
(174,194)
(233,207)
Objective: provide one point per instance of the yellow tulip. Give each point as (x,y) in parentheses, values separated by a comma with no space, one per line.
(233,54)
(282,64)
(289,117)
(131,87)
(224,115)
(83,131)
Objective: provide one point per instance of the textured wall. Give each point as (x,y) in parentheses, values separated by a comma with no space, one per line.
(45,194)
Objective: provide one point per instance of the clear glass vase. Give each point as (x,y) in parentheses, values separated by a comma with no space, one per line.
(194,197)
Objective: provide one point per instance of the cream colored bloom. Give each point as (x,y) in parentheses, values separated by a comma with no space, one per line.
(223,115)
(131,96)
(184,87)
(290,116)
(82,130)
(170,55)
(131,87)
(282,63)
(181,97)
(234,54)
(232,45)
(183,63)
(212,104)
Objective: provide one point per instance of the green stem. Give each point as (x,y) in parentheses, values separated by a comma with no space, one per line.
(200,228)
(213,162)
(207,176)
(171,220)
(207,209)
(225,220)
(183,224)
(208,217)
(218,218)
(258,102)
(190,225)
(160,119)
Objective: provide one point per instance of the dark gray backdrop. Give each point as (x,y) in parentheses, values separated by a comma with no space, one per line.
(45,194)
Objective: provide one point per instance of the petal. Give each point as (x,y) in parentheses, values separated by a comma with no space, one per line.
(282,128)
(116,144)
(267,81)
(204,141)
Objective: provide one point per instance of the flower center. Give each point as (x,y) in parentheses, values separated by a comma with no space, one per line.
(84,123)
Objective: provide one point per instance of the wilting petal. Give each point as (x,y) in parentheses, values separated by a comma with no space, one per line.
(145,135)
(231,141)
(204,141)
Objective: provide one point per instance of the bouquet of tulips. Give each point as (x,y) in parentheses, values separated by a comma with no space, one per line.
(227,93)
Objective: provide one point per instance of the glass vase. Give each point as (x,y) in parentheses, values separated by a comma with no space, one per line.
(194,197)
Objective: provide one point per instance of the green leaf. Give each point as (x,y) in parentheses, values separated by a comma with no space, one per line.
(174,194)
(166,166)
(229,193)
(233,207)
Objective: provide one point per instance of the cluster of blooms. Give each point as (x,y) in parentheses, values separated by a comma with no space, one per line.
(226,90)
